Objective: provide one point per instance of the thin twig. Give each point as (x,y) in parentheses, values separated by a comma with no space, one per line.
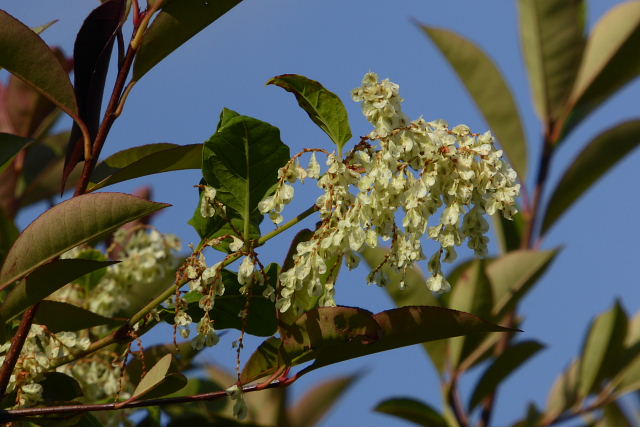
(17,342)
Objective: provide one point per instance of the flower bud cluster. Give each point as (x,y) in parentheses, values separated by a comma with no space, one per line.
(407,170)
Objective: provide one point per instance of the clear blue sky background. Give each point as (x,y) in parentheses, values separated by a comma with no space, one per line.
(336,42)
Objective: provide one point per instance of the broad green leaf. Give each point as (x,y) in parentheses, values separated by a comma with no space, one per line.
(69,224)
(8,234)
(176,23)
(514,357)
(405,326)
(145,160)
(489,90)
(509,231)
(10,145)
(159,381)
(610,61)
(563,394)
(513,274)
(227,223)
(552,34)
(46,280)
(412,410)
(323,107)
(59,387)
(61,316)
(602,349)
(266,360)
(315,403)
(471,293)
(261,320)
(326,327)
(597,158)
(182,358)
(628,379)
(91,56)
(27,56)
(241,160)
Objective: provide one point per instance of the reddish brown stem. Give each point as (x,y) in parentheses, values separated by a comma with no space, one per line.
(17,342)
(15,414)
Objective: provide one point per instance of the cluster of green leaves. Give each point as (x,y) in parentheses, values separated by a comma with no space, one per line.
(571,74)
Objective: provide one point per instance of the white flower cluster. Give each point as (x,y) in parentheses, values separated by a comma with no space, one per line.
(401,169)
(146,256)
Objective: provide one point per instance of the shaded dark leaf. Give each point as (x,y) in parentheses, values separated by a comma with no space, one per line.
(412,410)
(61,316)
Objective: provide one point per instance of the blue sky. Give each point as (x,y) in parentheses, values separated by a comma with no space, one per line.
(336,42)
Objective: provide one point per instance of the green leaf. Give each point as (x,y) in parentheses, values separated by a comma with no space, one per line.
(600,155)
(159,381)
(610,61)
(61,316)
(176,23)
(311,408)
(513,274)
(69,224)
(264,361)
(563,394)
(182,357)
(412,410)
(471,293)
(489,90)
(509,231)
(231,224)
(602,349)
(46,280)
(323,107)
(10,145)
(614,415)
(59,387)
(514,357)
(241,160)
(552,33)
(405,326)
(27,56)
(145,160)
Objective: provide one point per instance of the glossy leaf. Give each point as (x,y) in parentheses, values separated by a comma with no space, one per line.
(59,387)
(514,357)
(159,381)
(552,34)
(610,61)
(513,274)
(471,293)
(265,361)
(69,224)
(412,410)
(602,349)
(228,224)
(598,157)
(91,56)
(10,145)
(323,107)
(61,316)
(315,403)
(27,56)
(241,160)
(176,23)
(145,160)
(46,280)
(405,326)
(489,90)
